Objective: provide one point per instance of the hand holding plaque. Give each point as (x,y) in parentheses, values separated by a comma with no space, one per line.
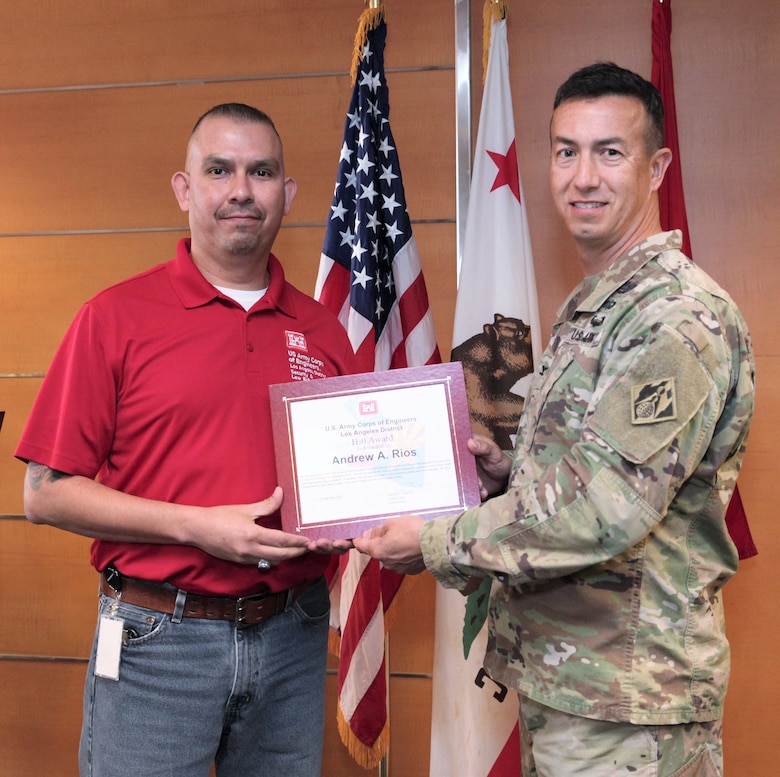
(353,451)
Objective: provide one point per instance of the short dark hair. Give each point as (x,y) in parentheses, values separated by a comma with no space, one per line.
(606,78)
(238,112)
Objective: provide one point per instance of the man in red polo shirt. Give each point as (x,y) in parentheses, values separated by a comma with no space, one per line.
(152,434)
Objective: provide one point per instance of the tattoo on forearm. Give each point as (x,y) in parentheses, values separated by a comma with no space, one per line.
(40,473)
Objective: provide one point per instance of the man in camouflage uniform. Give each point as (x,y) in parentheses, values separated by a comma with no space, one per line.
(608,548)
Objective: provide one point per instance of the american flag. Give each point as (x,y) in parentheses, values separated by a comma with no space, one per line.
(370,277)
(370,268)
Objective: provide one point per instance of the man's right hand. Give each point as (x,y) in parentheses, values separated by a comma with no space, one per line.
(84,506)
(231,532)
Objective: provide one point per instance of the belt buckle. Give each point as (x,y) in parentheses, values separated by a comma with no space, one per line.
(241,603)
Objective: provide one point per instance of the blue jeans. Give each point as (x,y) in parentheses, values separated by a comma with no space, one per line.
(196,692)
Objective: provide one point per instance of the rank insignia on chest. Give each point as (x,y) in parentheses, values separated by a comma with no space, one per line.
(653,402)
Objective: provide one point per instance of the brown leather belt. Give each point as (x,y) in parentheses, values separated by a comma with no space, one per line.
(244,611)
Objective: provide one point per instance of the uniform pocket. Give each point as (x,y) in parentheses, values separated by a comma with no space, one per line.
(701,765)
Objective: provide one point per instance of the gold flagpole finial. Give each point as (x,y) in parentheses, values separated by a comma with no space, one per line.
(492,11)
(369,20)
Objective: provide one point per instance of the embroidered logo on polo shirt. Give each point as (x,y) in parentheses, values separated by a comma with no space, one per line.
(303,365)
(653,402)
(296,340)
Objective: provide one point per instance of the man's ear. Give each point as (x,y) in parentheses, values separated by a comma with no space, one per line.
(290,188)
(180,182)
(659,164)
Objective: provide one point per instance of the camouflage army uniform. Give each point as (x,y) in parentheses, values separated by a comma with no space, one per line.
(609,547)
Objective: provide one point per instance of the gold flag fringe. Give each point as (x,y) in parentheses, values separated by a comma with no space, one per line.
(492,11)
(368,757)
(369,20)
(334,643)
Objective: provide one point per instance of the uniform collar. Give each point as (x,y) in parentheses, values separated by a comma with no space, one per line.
(594,290)
(195,291)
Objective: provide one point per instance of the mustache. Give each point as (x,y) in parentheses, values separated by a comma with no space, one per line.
(241,210)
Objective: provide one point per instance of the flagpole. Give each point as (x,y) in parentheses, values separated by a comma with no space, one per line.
(384,764)
(383,769)
(462,122)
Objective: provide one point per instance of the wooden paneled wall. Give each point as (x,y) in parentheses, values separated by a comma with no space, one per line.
(97,100)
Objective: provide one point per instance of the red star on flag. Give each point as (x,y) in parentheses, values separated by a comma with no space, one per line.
(507,174)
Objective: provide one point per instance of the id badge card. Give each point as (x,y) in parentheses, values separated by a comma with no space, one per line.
(109,647)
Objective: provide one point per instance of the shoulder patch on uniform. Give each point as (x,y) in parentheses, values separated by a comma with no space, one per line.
(653,402)
(652,397)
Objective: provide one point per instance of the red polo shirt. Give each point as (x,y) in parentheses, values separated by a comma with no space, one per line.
(160,389)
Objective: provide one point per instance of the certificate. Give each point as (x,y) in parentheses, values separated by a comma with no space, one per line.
(355,450)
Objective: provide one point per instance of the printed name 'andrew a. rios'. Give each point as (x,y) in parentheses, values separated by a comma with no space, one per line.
(357,458)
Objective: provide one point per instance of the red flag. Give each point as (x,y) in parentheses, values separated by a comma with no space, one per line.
(370,277)
(671,198)
(673,215)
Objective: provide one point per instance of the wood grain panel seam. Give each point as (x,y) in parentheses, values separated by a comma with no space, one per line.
(400,675)
(73,232)
(214,80)
(145,230)
(43,659)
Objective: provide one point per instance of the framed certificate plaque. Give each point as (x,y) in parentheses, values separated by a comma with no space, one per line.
(355,450)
